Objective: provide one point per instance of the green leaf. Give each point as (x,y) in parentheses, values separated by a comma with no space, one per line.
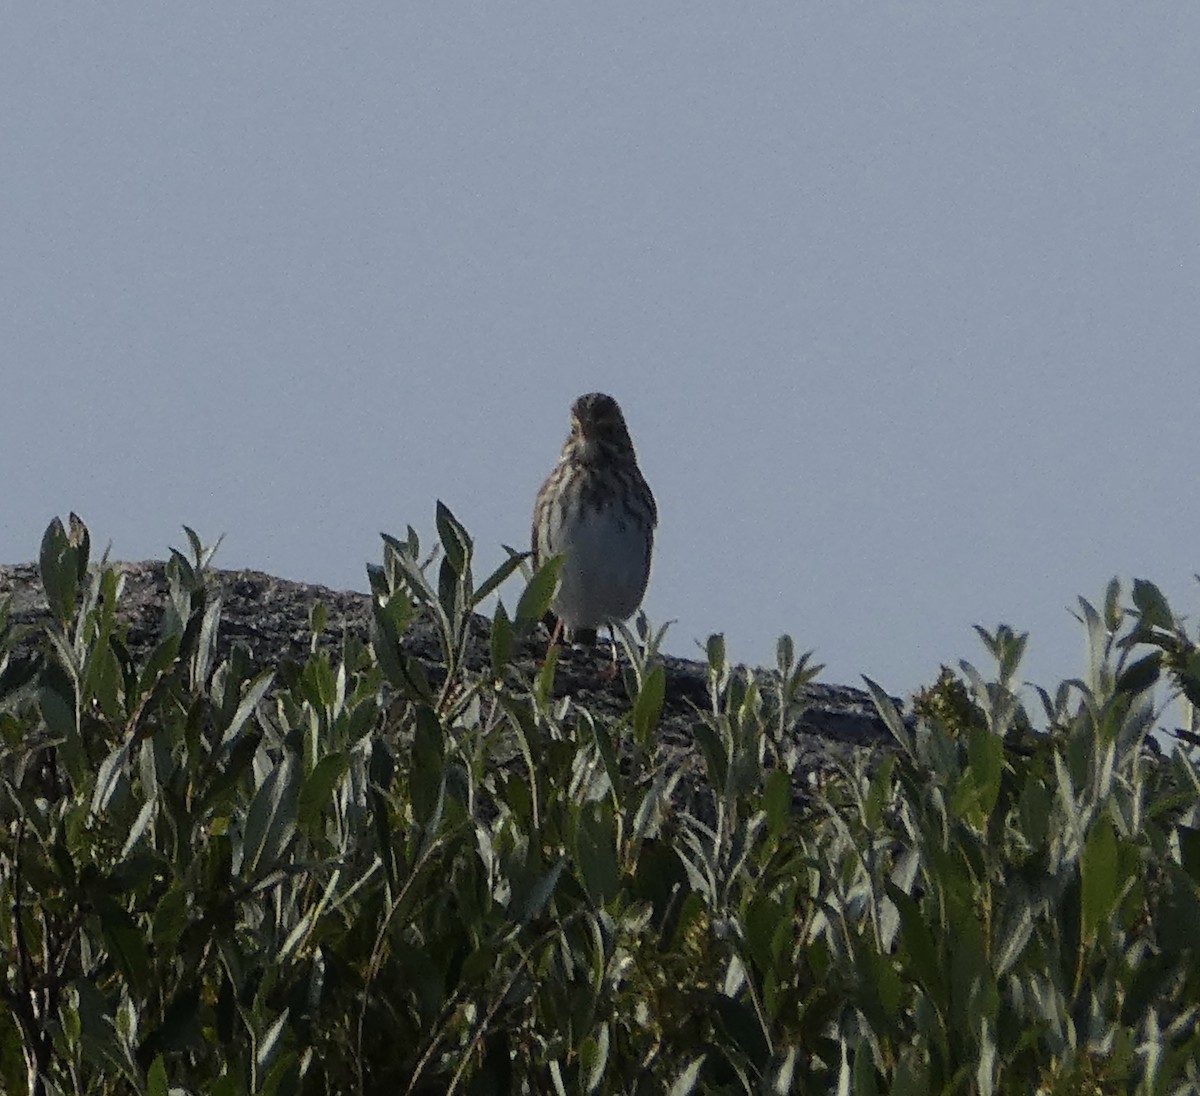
(125,944)
(319,682)
(1177,915)
(58,564)
(543,687)
(56,701)
(985,1074)
(268,1045)
(596,852)
(271,821)
(608,755)
(81,540)
(785,657)
(912,1074)
(1189,851)
(764,918)
(742,1026)
(539,592)
(450,590)
(318,618)
(141,826)
(380,770)
(1148,983)
(111,776)
(1153,607)
(593,1059)
(56,698)
(985,755)
(716,762)
(884,981)
(1016,929)
(1140,675)
(225,1085)
(501,640)
(1066,794)
(878,792)
(714,650)
(427,771)
(920,945)
(104,682)
(777,801)
(864,1070)
(685,1083)
(530,903)
(498,576)
(649,704)
(160,662)
(317,789)
(1099,870)
(455,541)
(156,1078)
(257,690)
(201,556)
(891,718)
(170,919)
(389,620)
(1187,674)
(779,1078)
(1034,806)
(238,757)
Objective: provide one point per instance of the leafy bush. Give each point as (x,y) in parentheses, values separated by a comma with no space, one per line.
(353,875)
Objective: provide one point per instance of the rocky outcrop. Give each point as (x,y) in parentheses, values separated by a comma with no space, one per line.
(269,616)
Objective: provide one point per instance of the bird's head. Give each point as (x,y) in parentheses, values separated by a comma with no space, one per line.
(597,423)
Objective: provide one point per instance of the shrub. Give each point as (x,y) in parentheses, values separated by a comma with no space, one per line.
(355,875)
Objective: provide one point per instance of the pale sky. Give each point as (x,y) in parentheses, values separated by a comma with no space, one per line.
(901,300)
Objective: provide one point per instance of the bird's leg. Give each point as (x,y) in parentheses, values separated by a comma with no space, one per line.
(610,674)
(556,633)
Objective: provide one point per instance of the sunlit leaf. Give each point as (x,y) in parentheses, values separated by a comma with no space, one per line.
(272,817)
(688,1078)
(891,718)
(111,776)
(649,704)
(257,690)
(593,1056)
(535,600)
(455,541)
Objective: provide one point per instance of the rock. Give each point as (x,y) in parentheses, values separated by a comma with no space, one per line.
(269,616)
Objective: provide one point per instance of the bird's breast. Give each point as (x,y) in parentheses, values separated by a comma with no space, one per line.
(606,565)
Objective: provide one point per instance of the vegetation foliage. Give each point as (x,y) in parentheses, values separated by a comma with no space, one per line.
(354,876)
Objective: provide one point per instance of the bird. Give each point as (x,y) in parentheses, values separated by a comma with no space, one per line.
(597,511)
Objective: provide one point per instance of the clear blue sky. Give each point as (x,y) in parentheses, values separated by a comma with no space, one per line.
(902,301)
